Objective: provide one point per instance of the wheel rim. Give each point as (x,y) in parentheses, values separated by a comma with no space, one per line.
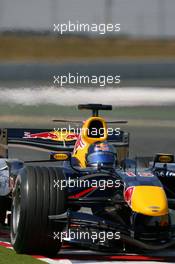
(16,209)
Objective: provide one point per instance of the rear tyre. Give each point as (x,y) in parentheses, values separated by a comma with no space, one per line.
(34,199)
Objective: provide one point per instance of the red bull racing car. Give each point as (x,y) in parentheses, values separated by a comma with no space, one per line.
(92,195)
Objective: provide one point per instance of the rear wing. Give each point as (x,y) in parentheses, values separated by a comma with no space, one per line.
(21,142)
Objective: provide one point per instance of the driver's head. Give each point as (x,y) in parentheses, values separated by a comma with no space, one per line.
(101,154)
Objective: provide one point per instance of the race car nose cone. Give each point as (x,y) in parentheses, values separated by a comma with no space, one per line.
(149,200)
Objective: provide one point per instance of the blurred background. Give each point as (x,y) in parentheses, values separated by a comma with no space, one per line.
(142,53)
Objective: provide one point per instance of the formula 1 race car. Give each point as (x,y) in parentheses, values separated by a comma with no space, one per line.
(89,197)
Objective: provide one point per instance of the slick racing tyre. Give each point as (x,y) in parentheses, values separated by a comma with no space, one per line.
(35,198)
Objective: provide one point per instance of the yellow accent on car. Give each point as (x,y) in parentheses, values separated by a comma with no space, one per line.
(165,158)
(94,129)
(60,156)
(149,200)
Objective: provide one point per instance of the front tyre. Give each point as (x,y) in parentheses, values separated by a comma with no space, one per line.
(34,199)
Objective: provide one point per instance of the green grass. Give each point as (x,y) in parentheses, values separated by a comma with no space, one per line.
(8,256)
(54,48)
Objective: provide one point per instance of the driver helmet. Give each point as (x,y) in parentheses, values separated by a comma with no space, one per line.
(101,154)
